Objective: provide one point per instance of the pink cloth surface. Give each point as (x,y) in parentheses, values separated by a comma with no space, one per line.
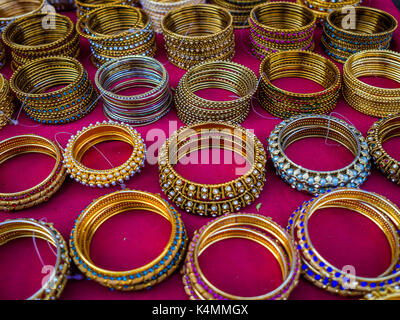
(130,240)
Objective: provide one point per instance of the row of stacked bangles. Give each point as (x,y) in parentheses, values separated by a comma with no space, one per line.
(199,38)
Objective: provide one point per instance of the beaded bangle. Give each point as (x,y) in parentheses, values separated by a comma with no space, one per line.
(158,9)
(238,79)
(365,98)
(380,132)
(114,203)
(321,8)
(116,31)
(373,30)
(14,9)
(325,275)
(6,102)
(93,134)
(84,7)
(389,293)
(318,182)
(253,227)
(280,26)
(134,72)
(28,39)
(212,199)
(14,146)
(74,100)
(197,33)
(301,64)
(63,5)
(17,228)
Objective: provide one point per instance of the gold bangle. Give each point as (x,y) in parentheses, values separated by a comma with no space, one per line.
(6,102)
(114,203)
(322,8)
(389,293)
(44,190)
(212,199)
(253,227)
(84,7)
(89,136)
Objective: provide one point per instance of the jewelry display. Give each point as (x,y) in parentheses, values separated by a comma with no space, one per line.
(6,102)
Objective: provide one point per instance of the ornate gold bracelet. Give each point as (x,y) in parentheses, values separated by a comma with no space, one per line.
(325,275)
(118,202)
(14,9)
(238,79)
(84,7)
(389,293)
(212,199)
(14,146)
(106,131)
(380,132)
(249,226)
(318,182)
(321,8)
(17,228)
(6,102)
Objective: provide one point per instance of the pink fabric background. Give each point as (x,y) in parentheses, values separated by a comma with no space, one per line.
(130,240)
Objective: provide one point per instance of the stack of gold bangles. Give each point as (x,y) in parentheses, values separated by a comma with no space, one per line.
(373,30)
(239,9)
(109,205)
(31,81)
(85,6)
(117,30)
(197,33)
(17,145)
(134,72)
(318,182)
(29,228)
(93,134)
(63,5)
(323,274)
(302,64)
(280,26)
(213,199)
(14,9)
(365,98)
(31,38)
(253,227)
(321,8)
(158,9)
(6,102)
(380,132)
(238,79)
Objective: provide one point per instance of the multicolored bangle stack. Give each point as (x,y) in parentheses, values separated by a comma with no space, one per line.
(14,9)
(134,72)
(301,64)
(41,35)
(280,26)
(116,31)
(380,132)
(365,98)
(74,100)
(198,33)
(373,30)
(17,145)
(321,8)
(114,203)
(158,9)
(6,102)
(323,274)
(93,134)
(86,6)
(238,79)
(239,9)
(63,5)
(318,182)
(29,228)
(212,199)
(253,227)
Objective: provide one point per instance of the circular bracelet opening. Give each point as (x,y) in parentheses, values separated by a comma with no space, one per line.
(16,8)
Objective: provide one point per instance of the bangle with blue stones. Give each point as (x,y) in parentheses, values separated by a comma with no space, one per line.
(312,181)
(13,229)
(389,293)
(253,227)
(318,270)
(31,84)
(118,202)
(373,29)
(116,31)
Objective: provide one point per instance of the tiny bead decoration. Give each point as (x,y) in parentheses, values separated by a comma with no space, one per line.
(118,202)
(89,136)
(388,293)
